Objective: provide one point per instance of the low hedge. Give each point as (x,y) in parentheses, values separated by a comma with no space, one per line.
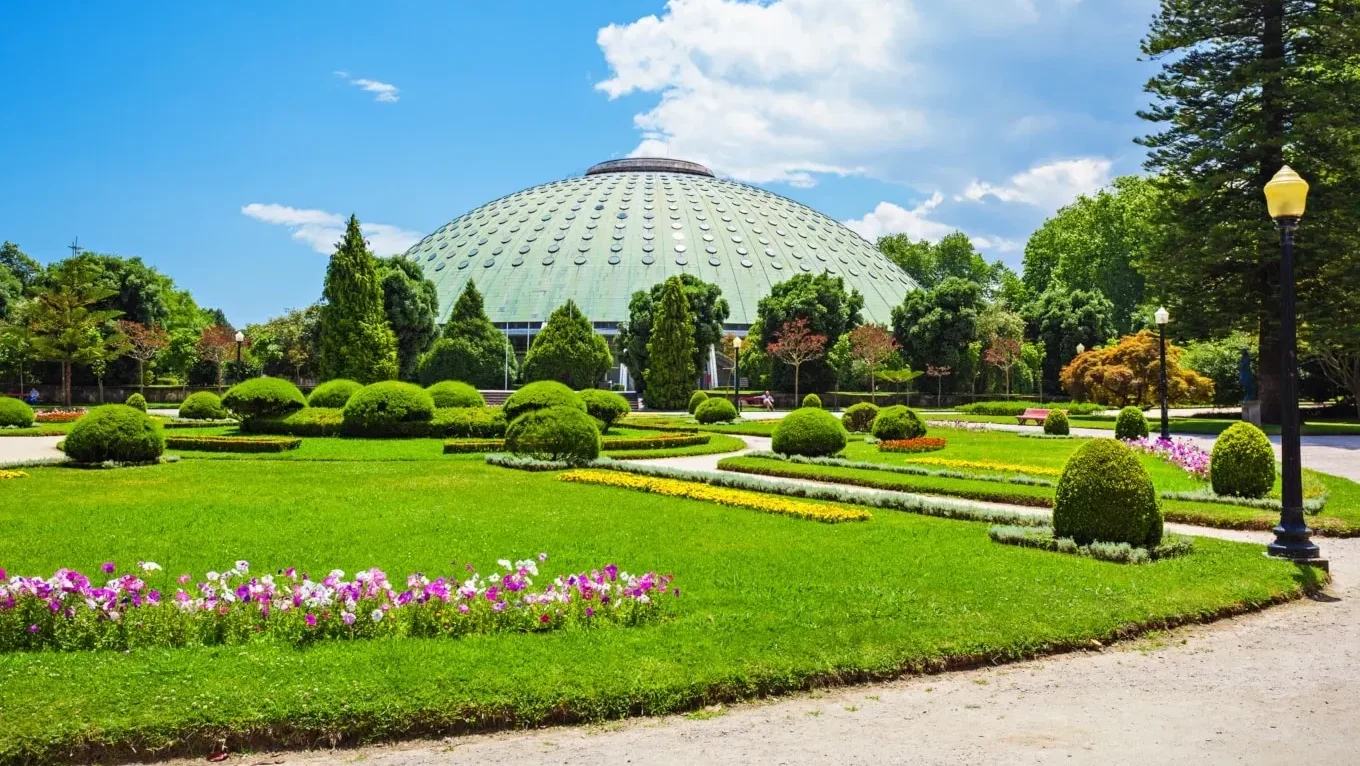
(1119,553)
(608,443)
(310,421)
(14,412)
(448,423)
(1016,408)
(232,443)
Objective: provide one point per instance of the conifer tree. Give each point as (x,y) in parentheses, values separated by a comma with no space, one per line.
(356,341)
(568,350)
(471,348)
(670,351)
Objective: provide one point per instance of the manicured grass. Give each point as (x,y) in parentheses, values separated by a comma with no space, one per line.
(38,429)
(1178,425)
(675,423)
(769,603)
(716,446)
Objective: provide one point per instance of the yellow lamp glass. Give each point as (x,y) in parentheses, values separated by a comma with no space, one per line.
(1286,194)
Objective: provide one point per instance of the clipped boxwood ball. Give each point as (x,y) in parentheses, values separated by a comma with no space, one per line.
(1106,495)
(605,406)
(1130,424)
(555,433)
(333,393)
(454,393)
(812,400)
(204,405)
(14,412)
(263,398)
(1242,463)
(696,399)
(1056,423)
(540,395)
(715,410)
(898,422)
(136,401)
(808,431)
(859,418)
(386,403)
(115,432)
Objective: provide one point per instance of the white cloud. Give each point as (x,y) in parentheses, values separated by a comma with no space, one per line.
(916,223)
(321,230)
(1048,186)
(383,92)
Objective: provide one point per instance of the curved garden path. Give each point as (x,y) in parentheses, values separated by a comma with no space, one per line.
(21,449)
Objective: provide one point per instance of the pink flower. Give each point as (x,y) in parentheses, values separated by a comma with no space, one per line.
(107,567)
(184,579)
(347,618)
(310,620)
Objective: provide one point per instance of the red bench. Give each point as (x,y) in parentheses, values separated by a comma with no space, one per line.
(1032,414)
(753,401)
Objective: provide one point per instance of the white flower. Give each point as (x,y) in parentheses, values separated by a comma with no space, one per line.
(150,566)
(243,567)
(377,615)
(213,576)
(338,574)
(505,564)
(495,578)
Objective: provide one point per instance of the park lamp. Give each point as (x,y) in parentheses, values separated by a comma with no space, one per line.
(736,343)
(1163,316)
(1286,195)
(1081,349)
(240,337)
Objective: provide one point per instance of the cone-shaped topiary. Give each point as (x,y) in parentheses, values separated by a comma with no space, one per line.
(555,433)
(263,398)
(204,405)
(541,395)
(1105,495)
(1056,423)
(605,406)
(137,402)
(356,340)
(115,432)
(333,393)
(670,350)
(698,398)
(859,418)
(898,422)
(14,412)
(380,405)
(1130,424)
(812,400)
(471,349)
(809,431)
(453,393)
(1243,463)
(568,350)
(715,410)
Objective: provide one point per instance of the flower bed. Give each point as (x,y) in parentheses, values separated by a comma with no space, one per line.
(919,444)
(13,475)
(614,443)
(988,465)
(58,416)
(1181,453)
(1120,553)
(232,443)
(67,612)
(732,497)
(962,425)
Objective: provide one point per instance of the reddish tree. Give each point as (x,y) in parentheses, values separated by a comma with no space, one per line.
(939,374)
(872,344)
(1004,353)
(795,344)
(216,345)
(145,342)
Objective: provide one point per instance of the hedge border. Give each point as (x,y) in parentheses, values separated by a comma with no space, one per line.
(1172,546)
(232,443)
(607,443)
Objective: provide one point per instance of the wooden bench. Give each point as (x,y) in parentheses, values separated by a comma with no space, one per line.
(753,401)
(1032,414)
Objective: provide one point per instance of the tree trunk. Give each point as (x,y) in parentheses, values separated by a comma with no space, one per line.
(1274,111)
(796,367)
(100,381)
(141,377)
(66,382)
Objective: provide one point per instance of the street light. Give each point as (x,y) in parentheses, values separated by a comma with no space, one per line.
(1081,349)
(1286,197)
(736,370)
(1163,316)
(240,338)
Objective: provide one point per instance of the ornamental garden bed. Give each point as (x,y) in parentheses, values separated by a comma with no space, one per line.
(607,443)
(232,443)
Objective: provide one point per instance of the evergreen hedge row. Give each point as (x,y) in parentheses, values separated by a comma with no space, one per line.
(232,443)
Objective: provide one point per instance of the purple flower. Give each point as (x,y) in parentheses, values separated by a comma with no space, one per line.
(32,628)
(107,567)
(3,577)
(590,612)
(544,619)
(347,618)
(310,620)
(499,606)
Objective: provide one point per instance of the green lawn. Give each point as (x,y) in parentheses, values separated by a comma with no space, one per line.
(676,423)
(770,603)
(1178,425)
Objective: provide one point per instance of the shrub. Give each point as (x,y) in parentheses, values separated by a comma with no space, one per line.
(115,432)
(715,410)
(812,400)
(569,350)
(165,380)
(810,432)
(231,443)
(1056,423)
(541,395)
(333,393)
(384,404)
(605,406)
(1130,424)
(15,412)
(469,422)
(1012,408)
(263,398)
(859,418)
(453,393)
(555,433)
(308,421)
(204,405)
(897,423)
(696,399)
(136,401)
(1105,495)
(1243,463)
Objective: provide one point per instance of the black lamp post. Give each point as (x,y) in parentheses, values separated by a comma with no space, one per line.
(1286,196)
(1163,316)
(240,338)
(736,369)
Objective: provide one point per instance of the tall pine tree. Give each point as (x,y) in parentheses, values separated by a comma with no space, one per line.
(472,349)
(356,341)
(670,350)
(568,350)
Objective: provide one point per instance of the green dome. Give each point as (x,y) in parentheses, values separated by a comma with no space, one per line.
(627,225)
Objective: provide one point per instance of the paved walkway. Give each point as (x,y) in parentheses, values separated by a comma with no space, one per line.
(21,449)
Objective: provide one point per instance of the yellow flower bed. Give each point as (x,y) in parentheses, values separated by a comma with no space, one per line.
(987,465)
(735,497)
(13,475)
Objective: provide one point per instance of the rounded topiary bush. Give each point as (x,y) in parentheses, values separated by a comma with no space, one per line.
(204,405)
(1106,495)
(541,395)
(263,398)
(333,393)
(898,422)
(1130,424)
(555,433)
(136,401)
(387,403)
(1056,423)
(715,410)
(14,412)
(115,432)
(809,431)
(859,418)
(454,393)
(1242,462)
(605,406)
(696,399)
(812,400)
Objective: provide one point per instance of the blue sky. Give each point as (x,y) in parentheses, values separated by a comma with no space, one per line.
(222,142)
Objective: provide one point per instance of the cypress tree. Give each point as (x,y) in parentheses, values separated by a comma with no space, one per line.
(670,351)
(356,341)
(472,349)
(568,350)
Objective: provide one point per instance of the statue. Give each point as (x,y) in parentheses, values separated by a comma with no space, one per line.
(1244,376)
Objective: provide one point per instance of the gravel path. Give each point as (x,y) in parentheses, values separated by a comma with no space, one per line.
(20,449)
